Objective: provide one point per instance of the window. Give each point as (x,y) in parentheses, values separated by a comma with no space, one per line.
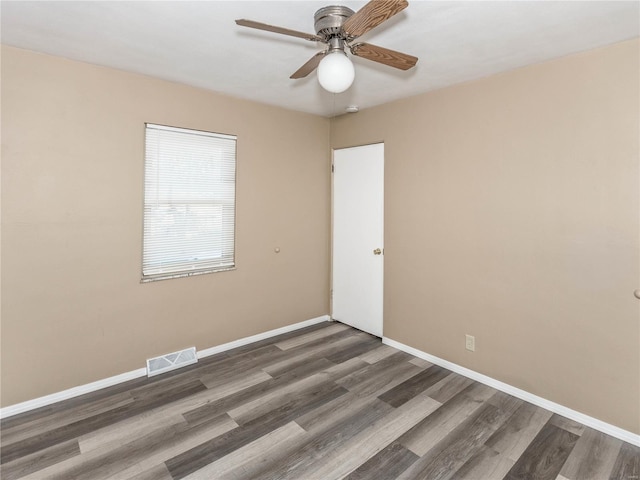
(189,202)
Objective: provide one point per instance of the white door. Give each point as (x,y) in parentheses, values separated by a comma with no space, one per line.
(358,235)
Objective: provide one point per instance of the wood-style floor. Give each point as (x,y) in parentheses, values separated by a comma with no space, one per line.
(326,402)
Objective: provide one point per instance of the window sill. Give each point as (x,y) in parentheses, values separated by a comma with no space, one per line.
(157,278)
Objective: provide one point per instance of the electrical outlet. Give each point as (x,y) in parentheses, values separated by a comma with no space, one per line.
(470,343)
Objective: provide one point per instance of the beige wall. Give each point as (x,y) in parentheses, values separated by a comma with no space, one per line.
(512,214)
(73,308)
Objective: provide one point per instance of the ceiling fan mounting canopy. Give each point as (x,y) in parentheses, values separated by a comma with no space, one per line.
(328,21)
(338,26)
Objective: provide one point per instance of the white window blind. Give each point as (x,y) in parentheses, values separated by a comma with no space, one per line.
(189,202)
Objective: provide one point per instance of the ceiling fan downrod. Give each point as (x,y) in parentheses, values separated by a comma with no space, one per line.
(336,43)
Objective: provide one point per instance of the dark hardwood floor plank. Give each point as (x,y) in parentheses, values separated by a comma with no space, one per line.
(592,458)
(6,423)
(506,444)
(380,382)
(130,458)
(323,438)
(387,464)
(504,401)
(417,384)
(248,363)
(339,411)
(300,369)
(377,354)
(62,418)
(305,338)
(169,448)
(271,387)
(627,465)
(217,369)
(202,455)
(240,463)
(208,452)
(238,398)
(366,345)
(274,398)
(485,464)
(158,472)
(248,378)
(162,416)
(130,429)
(68,432)
(426,434)
(378,369)
(512,439)
(172,383)
(327,343)
(282,406)
(40,460)
(230,365)
(317,350)
(567,424)
(341,461)
(545,456)
(443,460)
(420,362)
(448,387)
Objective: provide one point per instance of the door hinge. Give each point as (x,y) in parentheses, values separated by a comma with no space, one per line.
(332,170)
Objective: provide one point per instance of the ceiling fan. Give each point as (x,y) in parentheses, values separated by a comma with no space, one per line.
(338,27)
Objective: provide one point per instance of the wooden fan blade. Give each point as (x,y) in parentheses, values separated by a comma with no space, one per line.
(371,15)
(392,58)
(309,67)
(284,31)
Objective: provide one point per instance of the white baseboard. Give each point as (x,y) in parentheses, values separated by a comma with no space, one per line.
(592,422)
(70,393)
(141,372)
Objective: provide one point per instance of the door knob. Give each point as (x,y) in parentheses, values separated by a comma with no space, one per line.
(377,251)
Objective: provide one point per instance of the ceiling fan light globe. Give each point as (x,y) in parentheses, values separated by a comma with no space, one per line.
(336,72)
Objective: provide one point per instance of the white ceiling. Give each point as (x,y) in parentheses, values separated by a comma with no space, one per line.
(199,44)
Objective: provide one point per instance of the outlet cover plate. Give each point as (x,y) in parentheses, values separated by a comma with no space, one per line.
(470,343)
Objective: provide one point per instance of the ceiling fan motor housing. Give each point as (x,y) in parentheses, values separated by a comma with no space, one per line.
(328,20)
